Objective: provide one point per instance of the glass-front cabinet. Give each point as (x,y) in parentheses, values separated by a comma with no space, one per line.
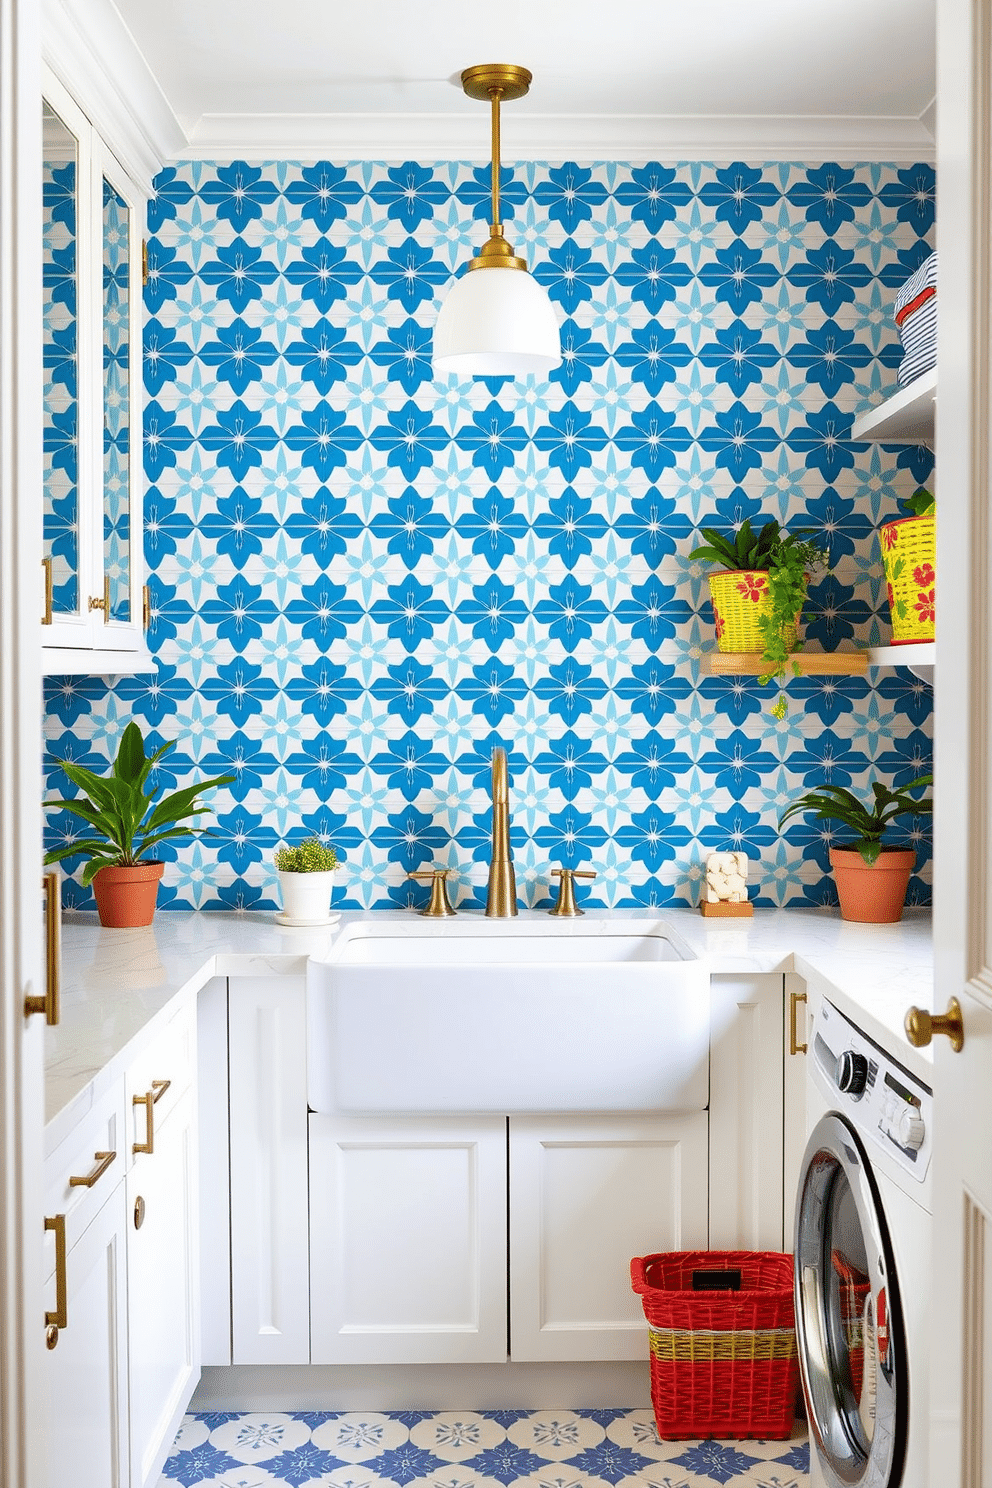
(92,581)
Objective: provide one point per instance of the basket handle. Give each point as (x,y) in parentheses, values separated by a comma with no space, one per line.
(638,1267)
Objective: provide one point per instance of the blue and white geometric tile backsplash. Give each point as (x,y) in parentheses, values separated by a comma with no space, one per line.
(362,579)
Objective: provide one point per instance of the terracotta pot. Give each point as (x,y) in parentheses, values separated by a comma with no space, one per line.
(125,897)
(875,894)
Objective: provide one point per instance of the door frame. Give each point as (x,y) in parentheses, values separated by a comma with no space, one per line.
(21,962)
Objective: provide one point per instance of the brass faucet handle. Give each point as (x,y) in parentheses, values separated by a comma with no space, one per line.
(566,905)
(439,906)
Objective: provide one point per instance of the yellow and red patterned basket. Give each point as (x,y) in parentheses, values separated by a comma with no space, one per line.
(909,557)
(740,597)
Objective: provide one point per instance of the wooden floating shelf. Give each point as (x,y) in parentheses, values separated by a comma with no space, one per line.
(810,663)
(907,417)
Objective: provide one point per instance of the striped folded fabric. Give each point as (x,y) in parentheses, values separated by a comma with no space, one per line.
(916,317)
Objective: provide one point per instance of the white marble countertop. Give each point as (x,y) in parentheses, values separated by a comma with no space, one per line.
(116,983)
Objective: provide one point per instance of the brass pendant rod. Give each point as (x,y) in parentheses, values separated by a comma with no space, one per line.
(495,95)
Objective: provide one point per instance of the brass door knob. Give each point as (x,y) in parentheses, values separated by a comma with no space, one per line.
(921,1026)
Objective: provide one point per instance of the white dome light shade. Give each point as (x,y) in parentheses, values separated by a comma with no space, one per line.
(496,322)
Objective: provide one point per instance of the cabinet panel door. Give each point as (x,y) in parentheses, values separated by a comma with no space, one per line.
(408,1239)
(587,1194)
(85,1374)
(746,1084)
(163,1291)
(270,1259)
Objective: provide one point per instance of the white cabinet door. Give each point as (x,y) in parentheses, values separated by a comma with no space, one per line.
(587,1194)
(408,1239)
(746,1112)
(85,1373)
(163,1290)
(801,1002)
(268,1105)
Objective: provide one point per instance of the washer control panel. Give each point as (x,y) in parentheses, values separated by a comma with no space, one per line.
(887,1104)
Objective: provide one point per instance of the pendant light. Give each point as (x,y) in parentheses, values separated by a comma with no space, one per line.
(496,321)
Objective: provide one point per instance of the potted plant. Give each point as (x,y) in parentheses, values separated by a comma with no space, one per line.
(759,592)
(127,823)
(306,877)
(871,875)
(909,557)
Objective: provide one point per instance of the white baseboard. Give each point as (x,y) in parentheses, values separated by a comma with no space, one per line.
(506,1386)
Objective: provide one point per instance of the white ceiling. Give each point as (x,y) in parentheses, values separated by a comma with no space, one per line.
(253,74)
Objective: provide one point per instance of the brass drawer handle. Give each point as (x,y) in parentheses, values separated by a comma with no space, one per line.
(104,1159)
(149,1100)
(60,1317)
(795,1047)
(46,564)
(49,1004)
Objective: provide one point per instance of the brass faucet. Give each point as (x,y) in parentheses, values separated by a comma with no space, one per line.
(501,901)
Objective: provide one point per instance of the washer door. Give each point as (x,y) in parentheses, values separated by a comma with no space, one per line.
(848,1318)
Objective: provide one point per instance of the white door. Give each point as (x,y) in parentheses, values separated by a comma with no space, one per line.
(162,1290)
(587,1195)
(22,1327)
(961,1383)
(408,1239)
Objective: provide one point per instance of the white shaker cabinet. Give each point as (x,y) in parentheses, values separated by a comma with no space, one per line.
(85,1364)
(587,1194)
(268,1166)
(408,1239)
(163,1290)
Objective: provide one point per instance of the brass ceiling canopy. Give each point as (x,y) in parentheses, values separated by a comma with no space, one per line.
(500,82)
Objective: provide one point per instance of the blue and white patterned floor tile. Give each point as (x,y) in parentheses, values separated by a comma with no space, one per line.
(467,1449)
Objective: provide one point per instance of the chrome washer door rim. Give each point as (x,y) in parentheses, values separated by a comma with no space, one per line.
(835,1153)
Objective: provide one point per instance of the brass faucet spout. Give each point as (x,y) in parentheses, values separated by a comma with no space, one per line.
(501,899)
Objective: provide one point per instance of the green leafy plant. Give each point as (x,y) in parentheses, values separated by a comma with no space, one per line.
(868,823)
(788,558)
(311,856)
(922,503)
(123,813)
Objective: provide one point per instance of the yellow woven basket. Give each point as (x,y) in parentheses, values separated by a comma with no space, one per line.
(740,597)
(909,557)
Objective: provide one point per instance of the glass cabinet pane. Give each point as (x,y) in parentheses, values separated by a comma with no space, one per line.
(116,403)
(60,172)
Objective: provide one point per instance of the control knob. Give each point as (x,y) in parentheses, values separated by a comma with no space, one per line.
(852,1072)
(911,1129)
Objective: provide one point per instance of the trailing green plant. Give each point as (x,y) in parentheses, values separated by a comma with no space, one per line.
(788,558)
(311,856)
(868,823)
(123,813)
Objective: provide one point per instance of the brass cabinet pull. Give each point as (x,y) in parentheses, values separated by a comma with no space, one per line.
(103,1161)
(104,603)
(60,1317)
(46,564)
(146,606)
(795,1047)
(921,1026)
(148,1101)
(50,1003)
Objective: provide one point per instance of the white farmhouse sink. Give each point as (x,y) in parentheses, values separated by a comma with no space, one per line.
(507,1016)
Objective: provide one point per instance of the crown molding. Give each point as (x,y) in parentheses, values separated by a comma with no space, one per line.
(95,57)
(580,137)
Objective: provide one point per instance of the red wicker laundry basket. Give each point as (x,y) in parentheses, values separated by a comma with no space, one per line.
(723,1363)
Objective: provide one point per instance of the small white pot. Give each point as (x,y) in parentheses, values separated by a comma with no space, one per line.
(306,896)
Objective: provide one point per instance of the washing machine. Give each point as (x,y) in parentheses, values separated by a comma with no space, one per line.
(862,1247)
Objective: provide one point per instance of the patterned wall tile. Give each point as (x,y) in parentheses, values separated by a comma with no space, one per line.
(362,579)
